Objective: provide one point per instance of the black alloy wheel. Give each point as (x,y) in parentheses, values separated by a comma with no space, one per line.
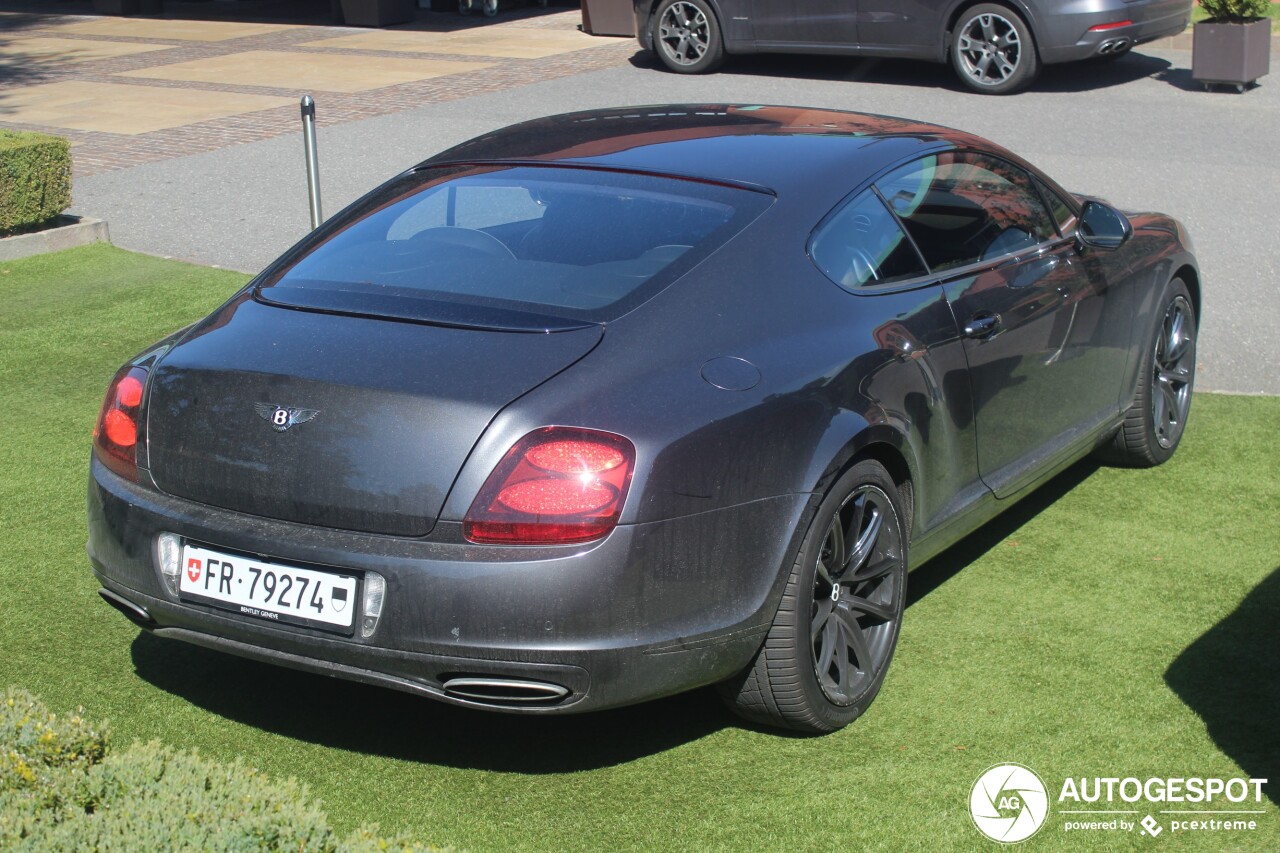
(836,628)
(1157,417)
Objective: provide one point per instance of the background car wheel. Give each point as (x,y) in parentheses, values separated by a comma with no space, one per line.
(1156,419)
(686,36)
(992,50)
(830,644)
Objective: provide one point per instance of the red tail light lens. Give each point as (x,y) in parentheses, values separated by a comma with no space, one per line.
(115,438)
(556,486)
(1111,26)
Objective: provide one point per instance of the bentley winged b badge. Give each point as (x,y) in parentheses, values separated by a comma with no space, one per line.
(282,417)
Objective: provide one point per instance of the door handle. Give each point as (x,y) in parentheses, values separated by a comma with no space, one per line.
(982,325)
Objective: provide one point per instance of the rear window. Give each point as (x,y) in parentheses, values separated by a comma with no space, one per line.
(514,247)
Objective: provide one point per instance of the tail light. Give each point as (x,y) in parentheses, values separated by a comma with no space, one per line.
(1111,26)
(115,437)
(556,486)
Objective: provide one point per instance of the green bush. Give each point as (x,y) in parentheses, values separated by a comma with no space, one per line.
(61,788)
(1235,11)
(35,179)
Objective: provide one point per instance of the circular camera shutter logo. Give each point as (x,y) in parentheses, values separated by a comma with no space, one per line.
(1008,803)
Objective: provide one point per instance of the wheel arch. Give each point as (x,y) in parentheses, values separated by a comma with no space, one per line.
(1191,276)
(887,446)
(652,6)
(1022,9)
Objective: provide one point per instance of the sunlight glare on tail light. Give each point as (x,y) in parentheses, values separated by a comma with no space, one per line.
(375,591)
(169,550)
(115,437)
(556,486)
(574,457)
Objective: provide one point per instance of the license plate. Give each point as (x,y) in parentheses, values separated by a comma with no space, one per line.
(267,590)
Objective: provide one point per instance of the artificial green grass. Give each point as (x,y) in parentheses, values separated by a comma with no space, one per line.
(1117,623)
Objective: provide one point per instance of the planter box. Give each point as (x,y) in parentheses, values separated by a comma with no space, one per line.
(378,13)
(608,17)
(1231,54)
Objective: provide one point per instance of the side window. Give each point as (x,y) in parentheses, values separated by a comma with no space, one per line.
(1062,213)
(965,208)
(862,246)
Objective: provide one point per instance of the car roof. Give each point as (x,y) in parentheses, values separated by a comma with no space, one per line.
(780,148)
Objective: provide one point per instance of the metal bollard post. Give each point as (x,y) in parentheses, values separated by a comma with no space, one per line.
(313,163)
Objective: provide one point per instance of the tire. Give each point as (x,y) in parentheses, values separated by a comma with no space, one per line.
(992,50)
(1157,417)
(686,36)
(823,660)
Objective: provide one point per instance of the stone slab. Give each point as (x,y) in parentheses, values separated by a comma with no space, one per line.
(169,30)
(22,51)
(124,109)
(327,72)
(504,42)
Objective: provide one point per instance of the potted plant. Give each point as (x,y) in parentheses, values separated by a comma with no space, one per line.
(1232,47)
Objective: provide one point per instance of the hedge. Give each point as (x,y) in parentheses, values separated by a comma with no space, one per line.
(35,179)
(63,788)
(1235,10)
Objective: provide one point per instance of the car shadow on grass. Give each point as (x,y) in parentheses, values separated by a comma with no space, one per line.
(372,720)
(378,721)
(1073,77)
(969,550)
(1230,677)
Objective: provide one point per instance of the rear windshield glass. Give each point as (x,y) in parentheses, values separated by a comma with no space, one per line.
(514,246)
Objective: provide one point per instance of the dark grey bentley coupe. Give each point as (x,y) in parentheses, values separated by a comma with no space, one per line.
(611,405)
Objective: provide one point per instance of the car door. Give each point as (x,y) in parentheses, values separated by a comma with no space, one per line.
(912,26)
(915,373)
(804,22)
(1023,304)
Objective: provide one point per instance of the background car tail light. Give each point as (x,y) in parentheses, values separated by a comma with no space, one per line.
(557,485)
(115,437)
(1111,26)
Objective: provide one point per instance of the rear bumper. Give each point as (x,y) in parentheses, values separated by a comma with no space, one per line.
(1066,36)
(649,611)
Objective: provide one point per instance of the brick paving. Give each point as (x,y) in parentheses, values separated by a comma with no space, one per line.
(96,152)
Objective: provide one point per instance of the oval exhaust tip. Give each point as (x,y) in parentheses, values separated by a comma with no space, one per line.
(504,691)
(136,613)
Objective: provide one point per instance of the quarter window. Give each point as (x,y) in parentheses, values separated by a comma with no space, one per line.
(965,208)
(862,246)
(1062,212)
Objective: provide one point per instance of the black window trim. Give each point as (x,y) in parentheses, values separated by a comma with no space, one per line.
(977,267)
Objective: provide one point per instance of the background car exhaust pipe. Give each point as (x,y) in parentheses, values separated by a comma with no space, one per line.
(504,691)
(136,613)
(1114,46)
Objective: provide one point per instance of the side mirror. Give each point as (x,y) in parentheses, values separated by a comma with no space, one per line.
(1102,227)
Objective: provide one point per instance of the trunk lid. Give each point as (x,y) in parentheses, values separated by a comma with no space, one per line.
(397,408)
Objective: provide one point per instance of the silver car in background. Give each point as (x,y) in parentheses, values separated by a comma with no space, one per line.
(995,48)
